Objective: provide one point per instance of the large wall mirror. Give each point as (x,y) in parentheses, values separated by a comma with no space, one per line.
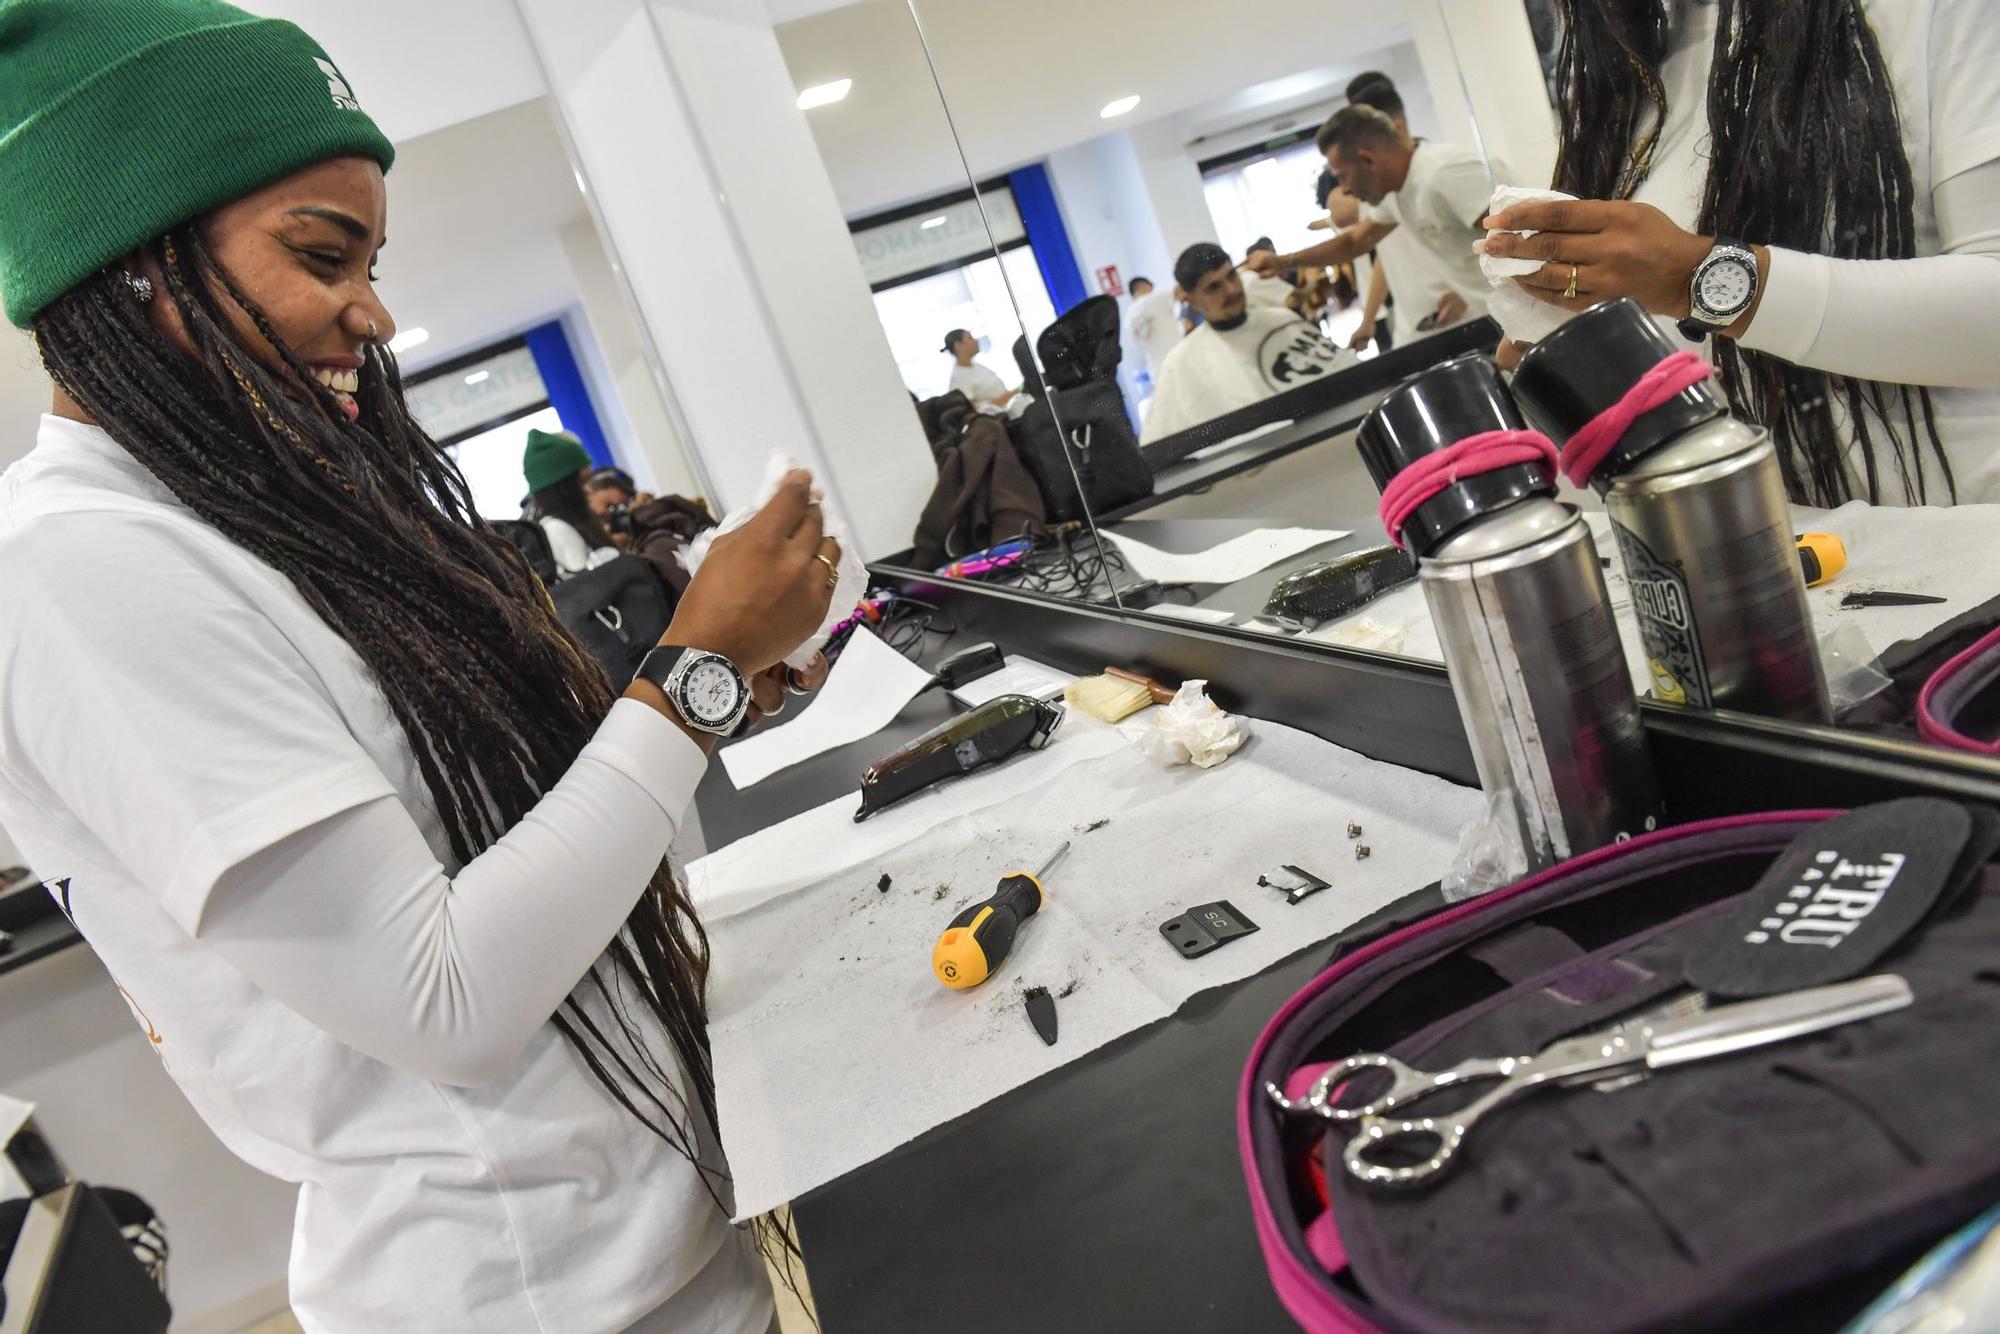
(966,267)
(1167,137)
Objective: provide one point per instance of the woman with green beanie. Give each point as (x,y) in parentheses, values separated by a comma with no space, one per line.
(360,830)
(555,464)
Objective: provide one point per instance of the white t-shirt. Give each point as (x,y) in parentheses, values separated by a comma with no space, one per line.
(572,554)
(980,385)
(1435,216)
(1214,371)
(170,707)
(1262,291)
(1944,63)
(1155,326)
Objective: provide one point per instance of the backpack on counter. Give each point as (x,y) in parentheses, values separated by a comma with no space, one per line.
(1774,1188)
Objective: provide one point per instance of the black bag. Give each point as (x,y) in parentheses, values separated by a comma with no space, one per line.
(619,610)
(1095,435)
(1083,346)
(533,543)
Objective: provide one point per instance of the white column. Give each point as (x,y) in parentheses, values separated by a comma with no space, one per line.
(1173,181)
(623,379)
(1479,58)
(716,208)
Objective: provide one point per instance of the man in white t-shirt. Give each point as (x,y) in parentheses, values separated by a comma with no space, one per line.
(1155,325)
(987,391)
(1242,353)
(1424,203)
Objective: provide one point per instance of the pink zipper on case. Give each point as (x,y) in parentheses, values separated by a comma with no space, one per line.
(1305,1293)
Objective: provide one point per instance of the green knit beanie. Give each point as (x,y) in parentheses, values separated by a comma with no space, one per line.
(120,119)
(552,456)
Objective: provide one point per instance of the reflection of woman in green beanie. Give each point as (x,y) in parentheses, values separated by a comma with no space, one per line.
(359,827)
(555,464)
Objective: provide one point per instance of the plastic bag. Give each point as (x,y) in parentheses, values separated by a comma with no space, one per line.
(852,582)
(1190,729)
(1852,670)
(1489,852)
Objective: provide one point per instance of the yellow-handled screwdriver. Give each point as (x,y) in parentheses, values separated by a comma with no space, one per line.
(978,940)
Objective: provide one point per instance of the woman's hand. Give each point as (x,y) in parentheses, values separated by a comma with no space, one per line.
(1612,248)
(770,691)
(763,589)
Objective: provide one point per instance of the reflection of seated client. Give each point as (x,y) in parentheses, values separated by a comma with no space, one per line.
(1242,353)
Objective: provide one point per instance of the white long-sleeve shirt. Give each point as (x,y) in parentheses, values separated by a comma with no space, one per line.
(242,834)
(1933,320)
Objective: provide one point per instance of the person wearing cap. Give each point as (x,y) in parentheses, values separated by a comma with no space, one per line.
(555,464)
(1241,353)
(358,827)
(986,391)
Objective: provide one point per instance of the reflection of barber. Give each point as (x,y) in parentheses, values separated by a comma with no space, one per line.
(987,391)
(1155,326)
(1275,290)
(1425,201)
(1241,354)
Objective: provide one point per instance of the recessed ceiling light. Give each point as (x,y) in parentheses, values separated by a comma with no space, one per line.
(408,339)
(824,94)
(1119,107)
(939,221)
(478,377)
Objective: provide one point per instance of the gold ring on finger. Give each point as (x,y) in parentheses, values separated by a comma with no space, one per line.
(832,570)
(1569,293)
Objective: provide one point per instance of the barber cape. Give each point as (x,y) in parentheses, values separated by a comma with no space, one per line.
(1214,371)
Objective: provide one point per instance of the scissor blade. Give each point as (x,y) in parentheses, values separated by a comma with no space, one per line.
(1757,1023)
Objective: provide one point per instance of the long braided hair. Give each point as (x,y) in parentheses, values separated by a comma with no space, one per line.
(1806,153)
(566,500)
(373,524)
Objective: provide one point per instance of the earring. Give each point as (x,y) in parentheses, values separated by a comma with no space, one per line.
(142,287)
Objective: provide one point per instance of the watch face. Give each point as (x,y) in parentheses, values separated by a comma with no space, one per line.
(711,692)
(1725,286)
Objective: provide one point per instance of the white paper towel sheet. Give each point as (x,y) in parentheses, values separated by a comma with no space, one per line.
(870,684)
(833,1041)
(1949,553)
(1225,563)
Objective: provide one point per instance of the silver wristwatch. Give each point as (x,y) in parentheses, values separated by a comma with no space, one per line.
(1722,288)
(706,689)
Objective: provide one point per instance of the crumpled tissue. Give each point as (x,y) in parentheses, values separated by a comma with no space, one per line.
(1190,729)
(1525,319)
(851,585)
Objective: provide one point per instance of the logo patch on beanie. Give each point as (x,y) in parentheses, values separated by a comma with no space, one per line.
(343,96)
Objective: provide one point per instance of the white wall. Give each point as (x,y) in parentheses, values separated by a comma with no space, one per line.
(1501,104)
(609,343)
(69,1044)
(24,393)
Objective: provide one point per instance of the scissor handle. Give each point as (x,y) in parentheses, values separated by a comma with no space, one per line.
(1448,1131)
(1406,1085)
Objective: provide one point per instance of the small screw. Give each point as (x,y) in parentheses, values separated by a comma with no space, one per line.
(1361,851)
(1353,829)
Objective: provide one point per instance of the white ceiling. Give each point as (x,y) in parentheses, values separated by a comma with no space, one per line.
(474,216)
(421,65)
(1028,77)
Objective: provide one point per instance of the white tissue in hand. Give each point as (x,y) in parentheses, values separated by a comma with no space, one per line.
(1190,729)
(1525,319)
(852,585)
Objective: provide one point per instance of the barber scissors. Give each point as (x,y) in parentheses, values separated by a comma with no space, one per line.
(1650,1043)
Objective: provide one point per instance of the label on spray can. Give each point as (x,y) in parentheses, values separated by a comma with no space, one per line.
(1666,624)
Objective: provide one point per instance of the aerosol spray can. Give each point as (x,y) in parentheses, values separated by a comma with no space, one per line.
(1517,592)
(1698,506)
